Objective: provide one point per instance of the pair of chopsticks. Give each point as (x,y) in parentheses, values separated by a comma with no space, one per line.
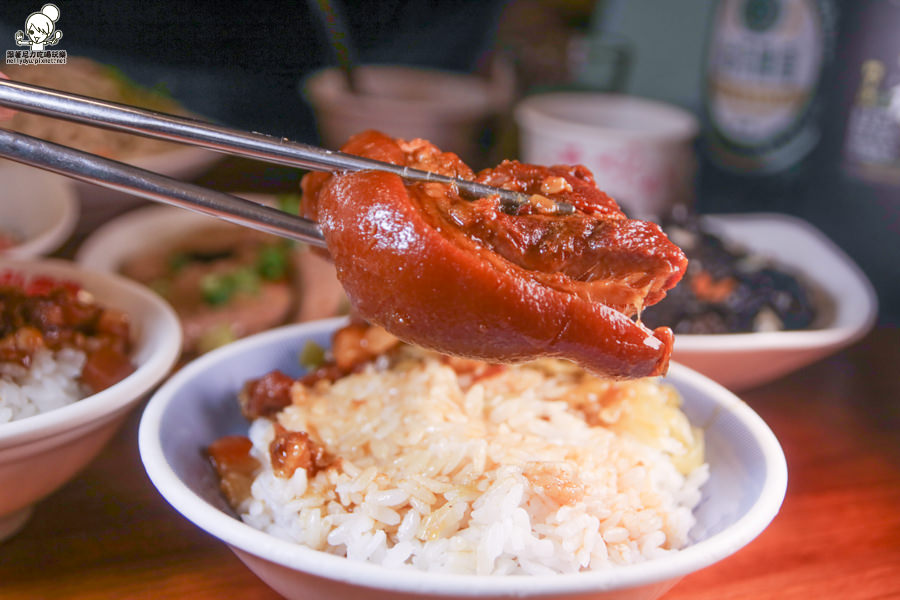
(153,186)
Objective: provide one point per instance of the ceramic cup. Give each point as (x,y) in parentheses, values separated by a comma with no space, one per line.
(448,109)
(640,151)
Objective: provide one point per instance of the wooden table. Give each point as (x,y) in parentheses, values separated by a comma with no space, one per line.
(109,534)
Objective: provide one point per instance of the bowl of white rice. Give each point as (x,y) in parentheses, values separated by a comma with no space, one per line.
(52,425)
(437,484)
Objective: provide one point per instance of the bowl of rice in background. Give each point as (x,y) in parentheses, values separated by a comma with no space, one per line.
(439,484)
(38,211)
(52,427)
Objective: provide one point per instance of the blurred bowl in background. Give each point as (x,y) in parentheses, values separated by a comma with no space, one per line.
(448,109)
(83,76)
(172,243)
(640,151)
(38,210)
(40,453)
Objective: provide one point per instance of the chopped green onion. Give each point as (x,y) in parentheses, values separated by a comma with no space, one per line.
(312,356)
(245,280)
(289,203)
(216,289)
(215,336)
(220,288)
(271,263)
(178,261)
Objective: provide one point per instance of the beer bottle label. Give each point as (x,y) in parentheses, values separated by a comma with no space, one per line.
(872,138)
(764,66)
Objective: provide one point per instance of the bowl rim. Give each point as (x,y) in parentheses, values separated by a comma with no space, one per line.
(118,396)
(862,319)
(61,226)
(239,535)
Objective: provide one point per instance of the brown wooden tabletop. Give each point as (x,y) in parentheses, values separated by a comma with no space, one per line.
(109,534)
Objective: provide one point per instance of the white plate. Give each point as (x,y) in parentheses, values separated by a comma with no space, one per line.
(39,207)
(114,243)
(743,360)
(147,228)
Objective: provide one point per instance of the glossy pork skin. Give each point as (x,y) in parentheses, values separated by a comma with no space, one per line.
(467,279)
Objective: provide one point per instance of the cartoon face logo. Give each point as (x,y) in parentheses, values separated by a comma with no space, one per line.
(40,29)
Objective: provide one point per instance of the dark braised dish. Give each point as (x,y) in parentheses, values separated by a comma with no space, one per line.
(728,289)
(45,314)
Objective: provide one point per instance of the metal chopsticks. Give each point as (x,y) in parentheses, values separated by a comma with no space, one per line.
(153,186)
(120,117)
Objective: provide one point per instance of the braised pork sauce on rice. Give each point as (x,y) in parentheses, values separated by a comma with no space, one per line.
(399,456)
(57,345)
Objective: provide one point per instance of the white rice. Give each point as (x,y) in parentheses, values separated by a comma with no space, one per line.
(504,476)
(51,381)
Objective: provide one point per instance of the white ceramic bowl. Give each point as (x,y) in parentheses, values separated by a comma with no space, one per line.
(742,360)
(38,207)
(129,235)
(38,454)
(640,151)
(197,406)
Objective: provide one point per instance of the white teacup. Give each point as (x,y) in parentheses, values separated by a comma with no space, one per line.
(640,151)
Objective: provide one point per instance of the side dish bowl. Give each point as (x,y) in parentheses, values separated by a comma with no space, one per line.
(40,453)
(748,478)
(147,231)
(846,301)
(38,210)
